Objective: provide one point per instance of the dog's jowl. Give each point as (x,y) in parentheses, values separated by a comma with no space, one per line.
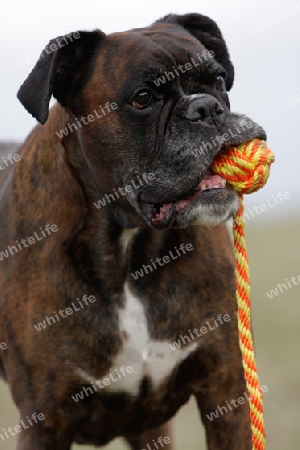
(154,255)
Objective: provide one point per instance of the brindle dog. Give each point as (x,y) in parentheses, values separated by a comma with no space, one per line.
(161,96)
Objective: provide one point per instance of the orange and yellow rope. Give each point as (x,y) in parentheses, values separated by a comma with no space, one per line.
(246,169)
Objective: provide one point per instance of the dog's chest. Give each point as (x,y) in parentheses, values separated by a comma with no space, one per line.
(154,359)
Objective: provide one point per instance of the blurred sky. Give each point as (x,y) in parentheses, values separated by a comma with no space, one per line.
(263,37)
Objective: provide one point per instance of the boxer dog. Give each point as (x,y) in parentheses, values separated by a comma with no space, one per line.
(117,270)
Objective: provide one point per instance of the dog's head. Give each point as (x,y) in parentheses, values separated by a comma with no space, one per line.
(169,82)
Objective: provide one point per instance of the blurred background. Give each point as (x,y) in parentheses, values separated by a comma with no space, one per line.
(264,43)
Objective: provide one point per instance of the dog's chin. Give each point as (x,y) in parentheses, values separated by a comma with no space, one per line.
(207,208)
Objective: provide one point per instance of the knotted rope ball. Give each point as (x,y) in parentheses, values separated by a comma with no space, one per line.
(246,169)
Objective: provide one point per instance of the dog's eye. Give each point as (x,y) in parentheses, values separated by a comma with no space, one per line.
(142,99)
(220,84)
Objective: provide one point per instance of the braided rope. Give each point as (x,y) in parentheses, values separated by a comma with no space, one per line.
(246,169)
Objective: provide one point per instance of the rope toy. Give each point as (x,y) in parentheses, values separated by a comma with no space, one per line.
(246,169)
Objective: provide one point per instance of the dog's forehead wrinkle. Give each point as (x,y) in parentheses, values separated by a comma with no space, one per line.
(182,46)
(149,63)
(140,44)
(162,47)
(172,34)
(159,51)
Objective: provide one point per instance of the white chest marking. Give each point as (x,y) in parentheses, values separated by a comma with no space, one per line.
(154,359)
(126,237)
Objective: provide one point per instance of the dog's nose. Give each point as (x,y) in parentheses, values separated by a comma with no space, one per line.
(205,109)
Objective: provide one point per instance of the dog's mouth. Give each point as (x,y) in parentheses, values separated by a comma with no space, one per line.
(210,191)
(209,182)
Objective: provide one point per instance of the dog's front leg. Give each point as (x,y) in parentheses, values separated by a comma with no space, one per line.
(226,416)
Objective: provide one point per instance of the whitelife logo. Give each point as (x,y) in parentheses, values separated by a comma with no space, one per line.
(53,47)
(65,312)
(270,203)
(220,139)
(162,261)
(106,381)
(235,403)
(274,292)
(77,124)
(11,250)
(295,100)
(181,69)
(161,441)
(9,160)
(277,18)
(203,330)
(3,346)
(135,184)
(24,424)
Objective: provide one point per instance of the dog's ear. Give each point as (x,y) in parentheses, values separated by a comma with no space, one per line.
(208,33)
(59,71)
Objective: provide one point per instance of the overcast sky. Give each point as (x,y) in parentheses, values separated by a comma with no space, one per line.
(263,37)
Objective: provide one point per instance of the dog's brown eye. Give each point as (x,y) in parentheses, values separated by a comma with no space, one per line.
(220,84)
(142,99)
